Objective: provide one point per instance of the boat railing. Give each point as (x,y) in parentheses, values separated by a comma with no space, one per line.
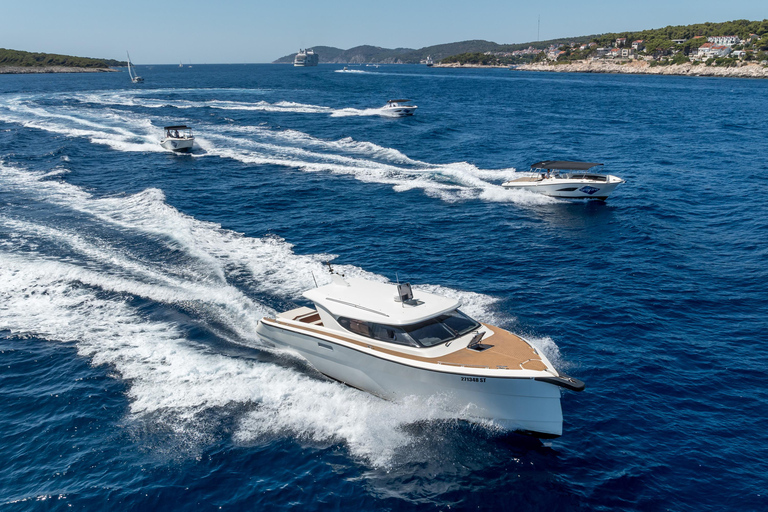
(460,365)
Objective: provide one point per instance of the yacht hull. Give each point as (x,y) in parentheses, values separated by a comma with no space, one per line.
(178,145)
(567,189)
(512,403)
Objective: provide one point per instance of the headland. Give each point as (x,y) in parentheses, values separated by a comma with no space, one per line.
(24,70)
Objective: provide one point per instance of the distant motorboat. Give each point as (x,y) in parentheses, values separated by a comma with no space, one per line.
(134,77)
(546,178)
(399,108)
(306,58)
(178,138)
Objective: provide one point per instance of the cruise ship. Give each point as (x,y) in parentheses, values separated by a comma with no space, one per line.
(306,58)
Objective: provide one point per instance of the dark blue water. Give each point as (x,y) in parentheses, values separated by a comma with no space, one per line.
(131,281)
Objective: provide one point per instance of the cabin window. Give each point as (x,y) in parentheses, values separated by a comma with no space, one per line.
(460,322)
(424,334)
(379,332)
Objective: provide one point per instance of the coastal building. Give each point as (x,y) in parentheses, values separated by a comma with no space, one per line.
(703,51)
(621,41)
(628,53)
(711,50)
(555,54)
(724,40)
(614,53)
(720,51)
(679,41)
(638,45)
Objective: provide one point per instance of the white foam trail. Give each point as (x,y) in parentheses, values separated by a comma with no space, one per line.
(349,112)
(365,161)
(120,131)
(357,71)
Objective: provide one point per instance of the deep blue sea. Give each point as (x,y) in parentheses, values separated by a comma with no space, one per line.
(131,281)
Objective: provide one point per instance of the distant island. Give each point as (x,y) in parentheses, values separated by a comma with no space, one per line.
(376,55)
(736,48)
(16,61)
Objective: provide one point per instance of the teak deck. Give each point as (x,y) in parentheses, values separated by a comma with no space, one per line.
(507,351)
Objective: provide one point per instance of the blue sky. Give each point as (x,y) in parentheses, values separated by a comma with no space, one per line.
(233,31)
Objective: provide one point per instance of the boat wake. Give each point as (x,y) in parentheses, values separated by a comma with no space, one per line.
(124,129)
(157,296)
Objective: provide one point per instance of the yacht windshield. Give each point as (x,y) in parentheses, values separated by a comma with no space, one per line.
(424,334)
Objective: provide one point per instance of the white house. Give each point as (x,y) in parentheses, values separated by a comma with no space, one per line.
(720,51)
(724,40)
(555,54)
(703,52)
(628,52)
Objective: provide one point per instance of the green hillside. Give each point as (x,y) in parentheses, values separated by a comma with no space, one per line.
(28,59)
(663,36)
(473,51)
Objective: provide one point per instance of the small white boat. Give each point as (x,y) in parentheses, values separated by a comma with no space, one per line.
(392,342)
(399,108)
(548,178)
(178,138)
(134,77)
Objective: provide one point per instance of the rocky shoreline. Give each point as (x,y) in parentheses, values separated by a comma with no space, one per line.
(746,70)
(457,65)
(23,70)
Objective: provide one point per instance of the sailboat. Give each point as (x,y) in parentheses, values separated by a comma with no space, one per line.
(134,78)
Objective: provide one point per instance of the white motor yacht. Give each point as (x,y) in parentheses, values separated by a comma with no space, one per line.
(306,58)
(399,108)
(390,341)
(548,178)
(178,138)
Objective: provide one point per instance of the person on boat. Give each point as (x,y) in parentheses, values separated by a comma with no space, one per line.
(176,133)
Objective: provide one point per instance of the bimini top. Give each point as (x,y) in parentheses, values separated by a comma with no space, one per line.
(370,301)
(398,101)
(180,127)
(564,165)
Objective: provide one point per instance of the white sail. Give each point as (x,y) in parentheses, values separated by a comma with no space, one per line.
(134,77)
